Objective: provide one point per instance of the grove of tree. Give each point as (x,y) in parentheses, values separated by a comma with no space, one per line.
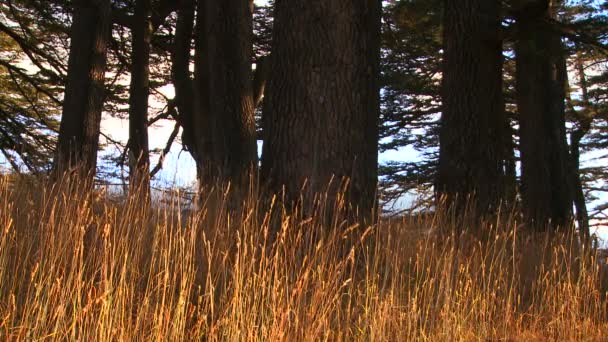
(504,102)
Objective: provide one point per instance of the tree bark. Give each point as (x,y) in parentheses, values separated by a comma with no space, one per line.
(84,92)
(180,73)
(138,95)
(584,118)
(224,47)
(472,157)
(216,108)
(322,107)
(540,89)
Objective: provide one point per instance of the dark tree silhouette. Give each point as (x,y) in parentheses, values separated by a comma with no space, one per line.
(540,86)
(321,111)
(472,139)
(84,92)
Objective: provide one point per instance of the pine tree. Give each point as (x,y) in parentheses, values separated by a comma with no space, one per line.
(410,98)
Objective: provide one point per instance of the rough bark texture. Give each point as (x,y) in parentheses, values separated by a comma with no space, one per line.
(84,92)
(472,158)
(540,100)
(322,106)
(224,47)
(139,92)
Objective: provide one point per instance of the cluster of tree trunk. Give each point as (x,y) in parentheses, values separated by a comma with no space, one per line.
(474,147)
(216,107)
(321,100)
(322,104)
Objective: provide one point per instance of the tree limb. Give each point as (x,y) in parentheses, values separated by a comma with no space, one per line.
(572,32)
(165,151)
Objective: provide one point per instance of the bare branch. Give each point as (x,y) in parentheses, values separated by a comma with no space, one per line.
(165,151)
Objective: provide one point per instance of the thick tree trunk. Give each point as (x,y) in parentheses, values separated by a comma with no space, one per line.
(138,95)
(540,100)
(322,106)
(472,157)
(224,47)
(84,92)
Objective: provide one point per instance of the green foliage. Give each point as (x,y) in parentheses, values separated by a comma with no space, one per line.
(587,109)
(32,69)
(411,65)
(411,77)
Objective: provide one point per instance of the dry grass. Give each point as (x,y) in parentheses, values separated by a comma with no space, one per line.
(73,268)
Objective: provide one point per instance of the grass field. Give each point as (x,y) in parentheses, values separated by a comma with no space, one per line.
(78,266)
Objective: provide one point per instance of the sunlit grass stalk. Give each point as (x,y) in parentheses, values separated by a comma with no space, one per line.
(77,265)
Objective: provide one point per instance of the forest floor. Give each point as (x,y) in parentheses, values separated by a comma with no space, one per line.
(74,266)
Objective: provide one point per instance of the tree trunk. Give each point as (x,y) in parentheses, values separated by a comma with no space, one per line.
(224,47)
(582,215)
(84,92)
(322,106)
(540,100)
(472,158)
(510,184)
(584,118)
(180,70)
(138,95)
(216,108)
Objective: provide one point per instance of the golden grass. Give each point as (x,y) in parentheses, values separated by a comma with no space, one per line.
(73,267)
